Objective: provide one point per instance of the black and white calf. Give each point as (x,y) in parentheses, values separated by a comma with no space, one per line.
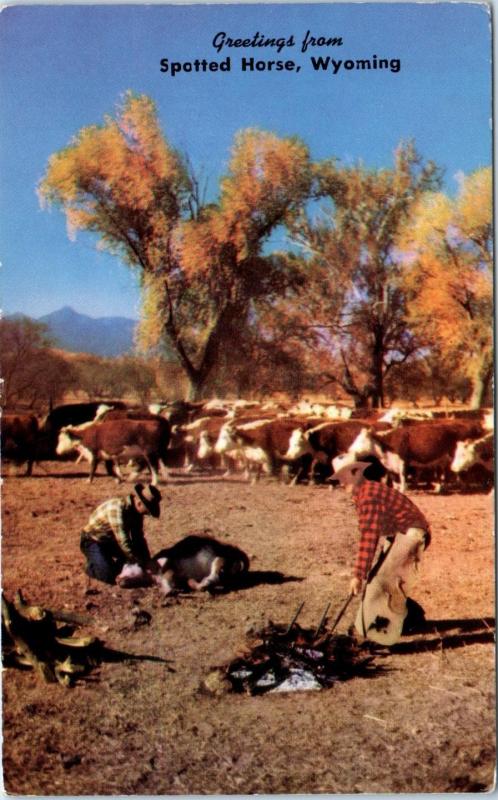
(196,562)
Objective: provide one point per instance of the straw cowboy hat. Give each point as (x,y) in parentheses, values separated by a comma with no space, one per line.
(349,473)
(150,497)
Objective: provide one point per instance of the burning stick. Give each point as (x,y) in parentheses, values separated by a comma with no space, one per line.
(322,621)
(341,612)
(295,618)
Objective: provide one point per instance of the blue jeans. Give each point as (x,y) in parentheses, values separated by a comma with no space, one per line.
(102,562)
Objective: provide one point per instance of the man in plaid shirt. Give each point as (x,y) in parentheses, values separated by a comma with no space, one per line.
(114,534)
(383,511)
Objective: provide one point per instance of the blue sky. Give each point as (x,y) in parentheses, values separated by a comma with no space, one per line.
(65,66)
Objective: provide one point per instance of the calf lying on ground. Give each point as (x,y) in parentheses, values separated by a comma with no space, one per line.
(196,562)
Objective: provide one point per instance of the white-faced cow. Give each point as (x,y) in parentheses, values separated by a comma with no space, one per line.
(420,447)
(135,413)
(118,440)
(324,442)
(209,436)
(468,453)
(262,444)
(70,414)
(19,438)
(198,439)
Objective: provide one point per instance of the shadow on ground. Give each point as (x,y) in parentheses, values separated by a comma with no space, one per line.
(437,635)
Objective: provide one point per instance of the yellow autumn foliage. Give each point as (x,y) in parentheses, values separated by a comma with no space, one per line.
(119,180)
(428,225)
(447,250)
(266,177)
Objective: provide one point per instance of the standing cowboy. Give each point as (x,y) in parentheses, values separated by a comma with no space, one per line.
(114,534)
(383,511)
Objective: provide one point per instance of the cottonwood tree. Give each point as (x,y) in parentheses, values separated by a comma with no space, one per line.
(223,272)
(200,266)
(355,299)
(448,246)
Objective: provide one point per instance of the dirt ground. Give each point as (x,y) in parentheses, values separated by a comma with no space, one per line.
(426,723)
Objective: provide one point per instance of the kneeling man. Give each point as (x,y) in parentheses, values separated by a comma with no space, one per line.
(114,534)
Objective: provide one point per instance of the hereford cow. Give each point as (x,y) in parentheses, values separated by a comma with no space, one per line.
(325,442)
(19,439)
(136,413)
(119,439)
(209,434)
(422,446)
(261,444)
(468,453)
(196,562)
(70,414)
(198,440)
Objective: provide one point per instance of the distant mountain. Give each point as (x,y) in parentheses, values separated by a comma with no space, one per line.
(77,333)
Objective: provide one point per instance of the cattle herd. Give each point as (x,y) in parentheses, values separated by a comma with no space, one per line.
(303,443)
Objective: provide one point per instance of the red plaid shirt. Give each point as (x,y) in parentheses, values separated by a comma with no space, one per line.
(382,511)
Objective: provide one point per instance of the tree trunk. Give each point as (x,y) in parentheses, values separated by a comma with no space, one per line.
(225,322)
(481,385)
(377,367)
(195,388)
